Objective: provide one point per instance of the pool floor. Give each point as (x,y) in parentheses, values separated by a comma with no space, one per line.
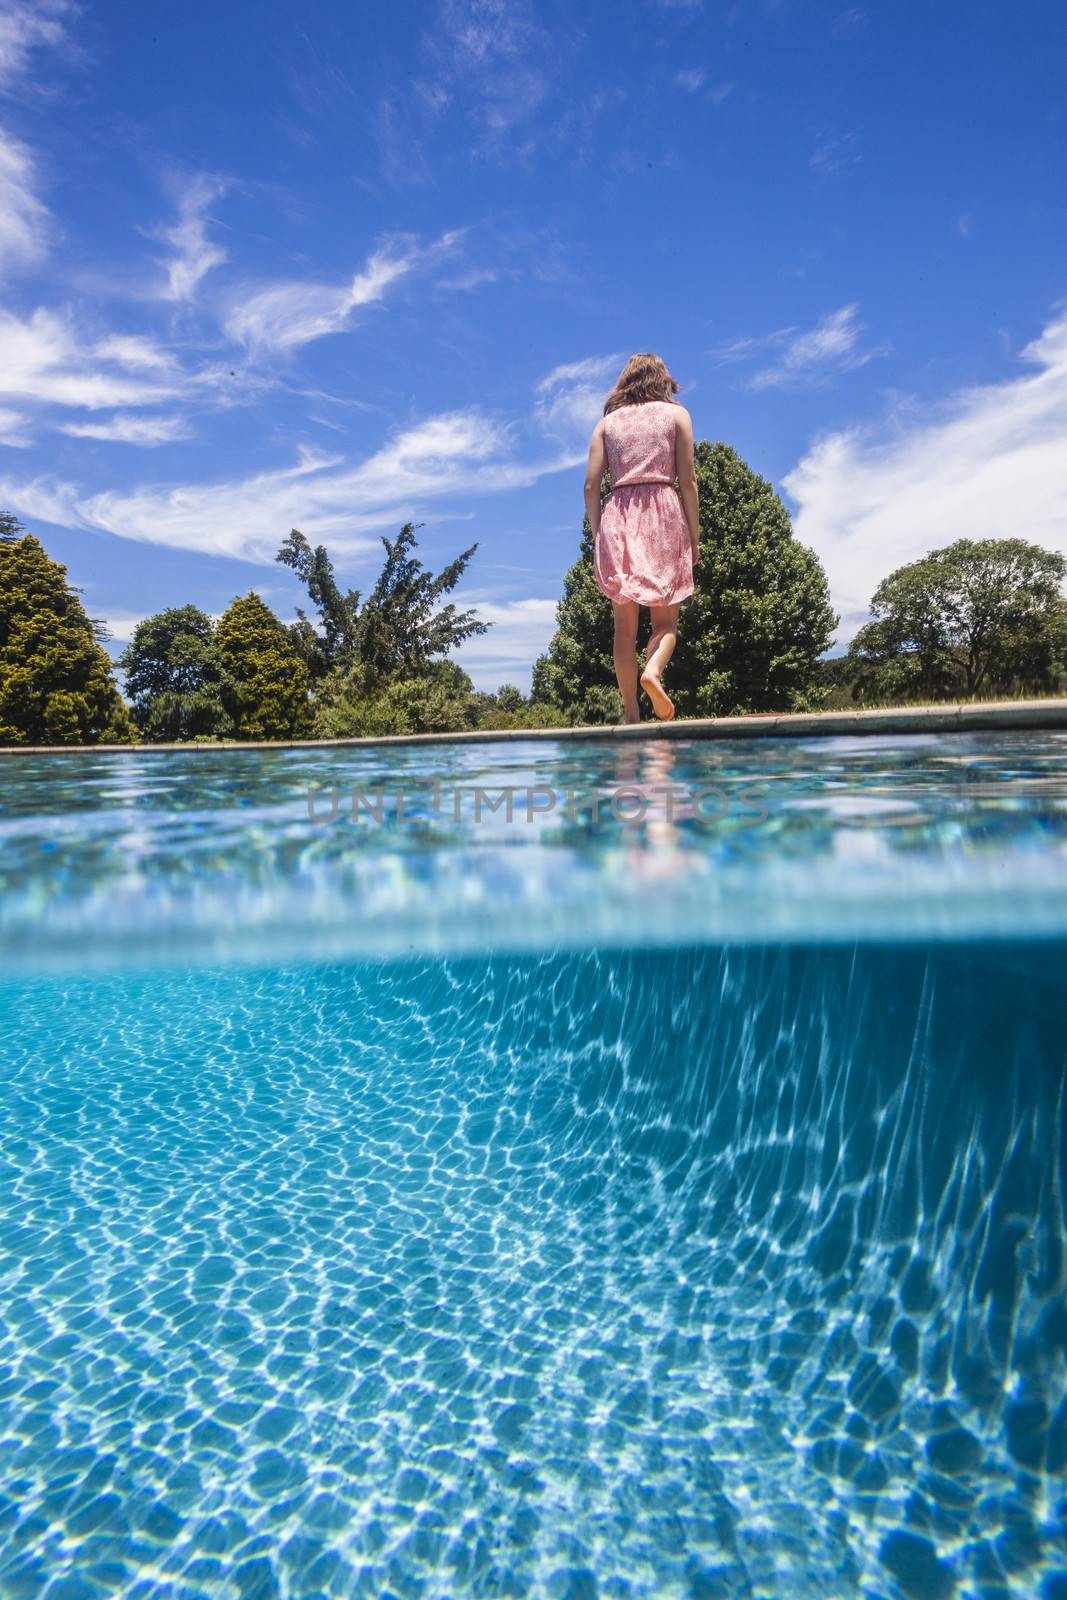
(696,1273)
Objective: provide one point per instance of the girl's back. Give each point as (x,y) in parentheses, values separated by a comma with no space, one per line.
(639,442)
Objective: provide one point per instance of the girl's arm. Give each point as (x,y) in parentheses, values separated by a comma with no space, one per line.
(594,472)
(687,476)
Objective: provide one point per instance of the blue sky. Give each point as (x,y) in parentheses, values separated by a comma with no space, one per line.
(338,266)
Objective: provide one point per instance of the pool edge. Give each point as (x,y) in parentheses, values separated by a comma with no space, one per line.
(954,717)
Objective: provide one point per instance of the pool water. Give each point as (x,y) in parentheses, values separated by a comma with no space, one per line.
(672,1207)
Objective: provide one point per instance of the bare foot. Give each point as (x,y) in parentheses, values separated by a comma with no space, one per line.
(662,704)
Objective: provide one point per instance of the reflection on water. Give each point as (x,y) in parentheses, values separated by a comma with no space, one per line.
(124,857)
(694,1273)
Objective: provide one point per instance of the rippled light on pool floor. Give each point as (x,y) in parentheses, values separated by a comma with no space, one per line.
(707,1272)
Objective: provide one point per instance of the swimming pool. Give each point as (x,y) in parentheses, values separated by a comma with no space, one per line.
(402,1197)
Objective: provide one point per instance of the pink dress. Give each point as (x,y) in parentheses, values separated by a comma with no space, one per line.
(643,551)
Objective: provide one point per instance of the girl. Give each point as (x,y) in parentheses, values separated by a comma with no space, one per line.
(647,539)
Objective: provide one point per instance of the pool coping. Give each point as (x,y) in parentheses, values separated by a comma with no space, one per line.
(955,717)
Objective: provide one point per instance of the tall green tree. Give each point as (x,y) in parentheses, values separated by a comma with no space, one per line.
(402,625)
(267,681)
(977,617)
(749,637)
(175,677)
(577,673)
(333,643)
(56,680)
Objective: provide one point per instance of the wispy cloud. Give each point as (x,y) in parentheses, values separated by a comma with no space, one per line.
(805,355)
(990,461)
(284,316)
(694,78)
(194,254)
(494,63)
(136,353)
(520,630)
(123,428)
(43,358)
(13,429)
(24,219)
(851,21)
(469,280)
(571,398)
(836,153)
(48,365)
(326,495)
(26,25)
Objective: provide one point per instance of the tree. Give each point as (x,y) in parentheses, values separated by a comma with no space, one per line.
(175,677)
(509,708)
(401,626)
(439,698)
(977,617)
(750,636)
(509,698)
(335,645)
(56,680)
(576,673)
(268,682)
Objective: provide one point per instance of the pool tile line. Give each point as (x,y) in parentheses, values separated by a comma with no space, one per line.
(957,717)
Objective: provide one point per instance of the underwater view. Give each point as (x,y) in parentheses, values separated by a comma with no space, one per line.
(559,1169)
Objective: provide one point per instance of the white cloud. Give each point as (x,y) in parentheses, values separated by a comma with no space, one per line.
(991,461)
(836,153)
(120,629)
(125,429)
(571,398)
(831,343)
(851,21)
(284,316)
(25,24)
(694,79)
(194,253)
(23,218)
(491,58)
(44,359)
(456,452)
(468,280)
(139,355)
(12,429)
(805,355)
(521,630)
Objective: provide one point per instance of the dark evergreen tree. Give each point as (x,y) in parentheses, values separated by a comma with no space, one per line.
(577,673)
(56,680)
(268,682)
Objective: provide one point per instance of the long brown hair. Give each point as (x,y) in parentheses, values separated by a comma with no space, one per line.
(643,378)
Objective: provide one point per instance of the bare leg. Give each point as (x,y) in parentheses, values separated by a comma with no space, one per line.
(660,649)
(625,655)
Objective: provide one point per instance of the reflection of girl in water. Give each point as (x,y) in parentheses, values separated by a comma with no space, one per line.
(647,538)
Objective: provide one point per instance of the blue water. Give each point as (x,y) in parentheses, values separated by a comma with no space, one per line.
(663,1208)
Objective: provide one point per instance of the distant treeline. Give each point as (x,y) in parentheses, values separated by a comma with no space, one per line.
(977,619)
